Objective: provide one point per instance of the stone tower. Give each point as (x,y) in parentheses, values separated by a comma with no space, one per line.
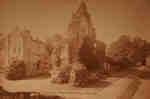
(80,27)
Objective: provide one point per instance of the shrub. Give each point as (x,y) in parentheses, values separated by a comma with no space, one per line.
(16,70)
(79,75)
(61,74)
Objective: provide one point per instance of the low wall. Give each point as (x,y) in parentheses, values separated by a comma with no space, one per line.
(20,95)
(26,95)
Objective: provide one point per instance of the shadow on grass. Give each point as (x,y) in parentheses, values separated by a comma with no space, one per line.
(144,75)
(98,84)
(50,97)
(120,74)
(126,72)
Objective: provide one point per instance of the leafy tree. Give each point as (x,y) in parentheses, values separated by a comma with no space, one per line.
(129,51)
(100,49)
(120,48)
(54,42)
(87,55)
(140,50)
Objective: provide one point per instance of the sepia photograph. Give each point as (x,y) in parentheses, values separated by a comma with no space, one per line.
(74,49)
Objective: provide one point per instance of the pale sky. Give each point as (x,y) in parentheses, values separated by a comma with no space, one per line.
(46,17)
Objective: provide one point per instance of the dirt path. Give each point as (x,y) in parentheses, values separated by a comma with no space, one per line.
(144,90)
(131,90)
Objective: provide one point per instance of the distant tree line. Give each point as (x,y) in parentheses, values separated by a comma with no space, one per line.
(129,51)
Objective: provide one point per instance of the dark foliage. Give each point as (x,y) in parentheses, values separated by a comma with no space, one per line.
(87,55)
(17,70)
(79,75)
(61,75)
(129,51)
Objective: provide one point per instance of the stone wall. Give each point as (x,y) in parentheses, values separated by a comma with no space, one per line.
(20,46)
(26,95)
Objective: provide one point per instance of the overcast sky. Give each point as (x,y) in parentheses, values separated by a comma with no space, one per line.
(46,17)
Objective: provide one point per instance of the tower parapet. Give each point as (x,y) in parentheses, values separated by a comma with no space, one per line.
(81,27)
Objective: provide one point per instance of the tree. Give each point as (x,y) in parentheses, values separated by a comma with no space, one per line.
(54,42)
(87,55)
(121,48)
(129,51)
(140,50)
(100,49)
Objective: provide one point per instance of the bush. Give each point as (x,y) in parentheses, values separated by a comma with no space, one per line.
(61,74)
(79,75)
(16,70)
